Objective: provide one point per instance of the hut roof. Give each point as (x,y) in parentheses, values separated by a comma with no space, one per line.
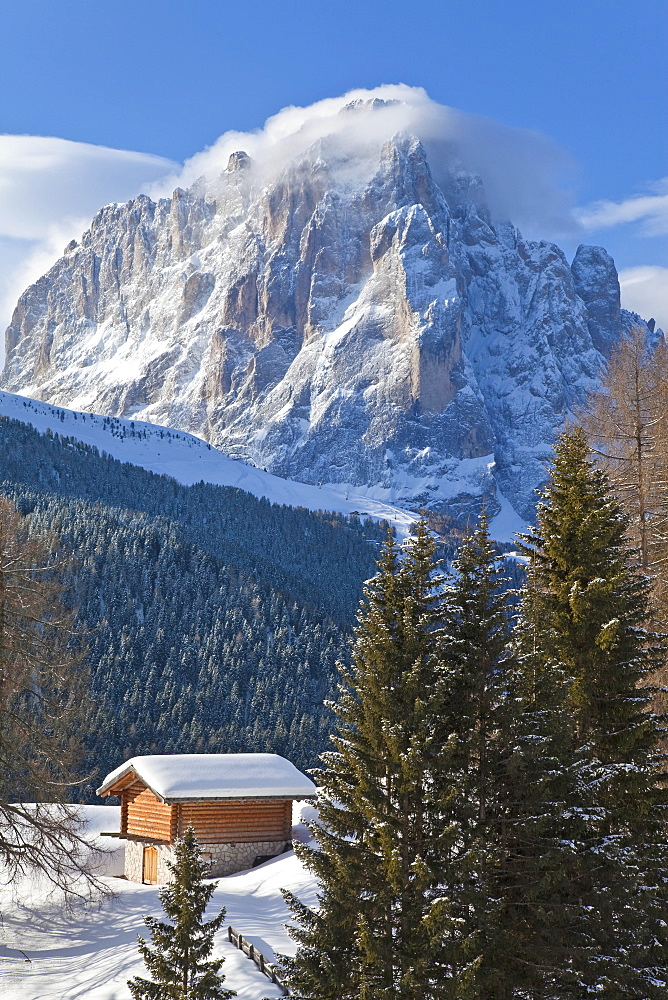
(187,776)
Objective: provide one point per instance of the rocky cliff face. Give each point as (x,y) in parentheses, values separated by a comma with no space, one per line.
(377,330)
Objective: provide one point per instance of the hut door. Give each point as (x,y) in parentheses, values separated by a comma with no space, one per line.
(150,874)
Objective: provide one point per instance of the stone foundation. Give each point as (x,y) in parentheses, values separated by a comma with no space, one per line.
(227,858)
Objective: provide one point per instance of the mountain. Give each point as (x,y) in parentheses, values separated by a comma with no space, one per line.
(353,318)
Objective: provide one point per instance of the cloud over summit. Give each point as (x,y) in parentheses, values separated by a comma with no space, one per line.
(50,188)
(521,170)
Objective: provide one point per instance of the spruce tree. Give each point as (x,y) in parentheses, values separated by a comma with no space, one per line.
(505,762)
(474,715)
(179,961)
(583,617)
(532,929)
(382,915)
(589,605)
(475,666)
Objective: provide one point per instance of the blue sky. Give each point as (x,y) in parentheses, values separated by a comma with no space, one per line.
(167,78)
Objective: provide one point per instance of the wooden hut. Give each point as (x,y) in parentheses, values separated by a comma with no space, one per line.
(239,804)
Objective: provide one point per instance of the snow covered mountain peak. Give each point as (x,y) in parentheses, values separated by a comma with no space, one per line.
(344,318)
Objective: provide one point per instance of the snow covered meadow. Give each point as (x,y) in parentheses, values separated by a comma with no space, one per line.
(189,459)
(91,952)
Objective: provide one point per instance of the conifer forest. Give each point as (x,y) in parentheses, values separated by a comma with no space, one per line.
(213,620)
(334,500)
(493,811)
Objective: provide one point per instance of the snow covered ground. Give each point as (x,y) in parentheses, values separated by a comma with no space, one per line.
(189,460)
(46,953)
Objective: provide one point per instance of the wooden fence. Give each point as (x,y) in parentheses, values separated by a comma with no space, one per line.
(266,968)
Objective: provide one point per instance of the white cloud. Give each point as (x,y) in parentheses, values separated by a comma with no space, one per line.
(49,190)
(645,291)
(651,210)
(521,170)
(45,180)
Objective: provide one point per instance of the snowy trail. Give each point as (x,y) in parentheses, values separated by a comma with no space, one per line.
(93,952)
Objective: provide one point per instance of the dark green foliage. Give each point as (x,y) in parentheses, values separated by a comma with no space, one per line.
(179,961)
(532,922)
(473,723)
(207,612)
(316,559)
(537,870)
(588,605)
(383,835)
(475,667)
(187,654)
(581,634)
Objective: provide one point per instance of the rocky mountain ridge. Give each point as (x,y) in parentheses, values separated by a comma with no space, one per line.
(334,325)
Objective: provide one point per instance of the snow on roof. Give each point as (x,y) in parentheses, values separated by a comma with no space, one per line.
(183,776)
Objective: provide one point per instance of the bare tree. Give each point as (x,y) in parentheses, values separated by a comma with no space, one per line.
(43,697)
(626,422)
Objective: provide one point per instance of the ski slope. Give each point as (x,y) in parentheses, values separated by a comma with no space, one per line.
(91,953)
(189,460)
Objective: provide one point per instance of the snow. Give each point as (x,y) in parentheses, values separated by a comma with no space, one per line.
(92,952)
(176,777)
(189,459)
(507,523)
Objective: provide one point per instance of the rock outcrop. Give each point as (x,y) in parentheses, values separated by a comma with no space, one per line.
(381,331)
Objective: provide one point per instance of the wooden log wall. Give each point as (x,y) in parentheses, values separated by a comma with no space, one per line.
(237,821)
(147,816)
(234,821)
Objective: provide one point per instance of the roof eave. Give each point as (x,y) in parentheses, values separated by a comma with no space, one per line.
(174,800)
(108,789)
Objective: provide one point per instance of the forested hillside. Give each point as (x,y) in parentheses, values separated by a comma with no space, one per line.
(214,619)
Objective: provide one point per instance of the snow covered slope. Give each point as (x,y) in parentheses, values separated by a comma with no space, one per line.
(190,460)
(359,317)
(46,953)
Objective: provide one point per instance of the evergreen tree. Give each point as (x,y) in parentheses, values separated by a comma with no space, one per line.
(179,961)
(588,608)
(582,619)
(382,915)
(473,724)
(532,926)
(475,667)
(502,732)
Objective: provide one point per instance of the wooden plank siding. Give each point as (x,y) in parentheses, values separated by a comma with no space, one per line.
(234,821)
(146,815)
(237,821)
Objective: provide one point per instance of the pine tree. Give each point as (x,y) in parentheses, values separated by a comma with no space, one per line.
(506,762)
(179,960)
(475,666)
(589,606)
(532,930)
(472,720)
(474,715)
(382,916)
(583,617)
